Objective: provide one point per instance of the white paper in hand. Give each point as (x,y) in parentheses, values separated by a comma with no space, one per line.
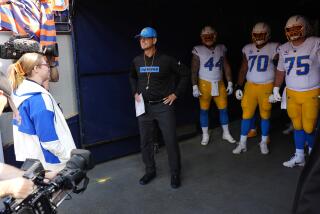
(140,106)
(284,99)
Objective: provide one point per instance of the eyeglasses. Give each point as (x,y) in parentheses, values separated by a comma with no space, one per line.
(45,64)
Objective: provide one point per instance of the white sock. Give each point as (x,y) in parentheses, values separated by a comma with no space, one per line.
(243,139)
(204,130)
(264,138)
(310,150)
(225,129)
(300,152)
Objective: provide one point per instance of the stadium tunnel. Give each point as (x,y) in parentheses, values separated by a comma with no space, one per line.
(104,46)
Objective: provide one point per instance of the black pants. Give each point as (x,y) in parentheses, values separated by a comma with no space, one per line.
(165,117)
(307,197)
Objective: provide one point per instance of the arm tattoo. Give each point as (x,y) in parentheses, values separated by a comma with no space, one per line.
(195,66)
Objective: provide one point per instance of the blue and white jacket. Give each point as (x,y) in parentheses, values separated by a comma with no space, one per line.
(43,133)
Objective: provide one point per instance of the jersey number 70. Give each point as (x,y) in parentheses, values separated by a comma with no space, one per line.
(262,64)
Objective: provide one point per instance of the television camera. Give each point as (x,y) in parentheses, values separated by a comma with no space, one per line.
(48,196)
(18,45)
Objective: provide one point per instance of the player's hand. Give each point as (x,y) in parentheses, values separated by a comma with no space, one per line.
(229,88)
(276,94)
(195,91)
(275,97)
(239,94)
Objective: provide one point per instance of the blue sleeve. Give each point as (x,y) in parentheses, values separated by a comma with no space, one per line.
(43,120)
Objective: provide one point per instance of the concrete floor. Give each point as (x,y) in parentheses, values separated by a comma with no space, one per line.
(213,180)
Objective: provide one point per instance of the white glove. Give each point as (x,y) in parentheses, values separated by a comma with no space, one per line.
(275,97)
(195,91)
(229,88)
(239,94)
(276,94)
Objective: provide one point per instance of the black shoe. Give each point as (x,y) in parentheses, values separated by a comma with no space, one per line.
(147,178)
(175,181)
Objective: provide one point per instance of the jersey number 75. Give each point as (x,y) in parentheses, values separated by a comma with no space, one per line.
(301,64)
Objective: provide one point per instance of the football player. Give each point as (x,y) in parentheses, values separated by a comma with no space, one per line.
(208,62)
(299,65)
(258,69)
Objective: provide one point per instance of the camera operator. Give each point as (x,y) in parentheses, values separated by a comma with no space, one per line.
(11,180)
(5,97)
(12,183)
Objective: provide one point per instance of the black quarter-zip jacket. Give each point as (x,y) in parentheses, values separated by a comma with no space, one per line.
(167,76)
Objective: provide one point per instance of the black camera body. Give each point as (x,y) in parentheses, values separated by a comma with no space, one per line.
(48,195)
(17,45)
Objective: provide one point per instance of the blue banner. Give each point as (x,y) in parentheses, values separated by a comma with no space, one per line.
(150,69)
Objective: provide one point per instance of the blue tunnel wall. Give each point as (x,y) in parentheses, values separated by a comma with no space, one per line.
(105,47)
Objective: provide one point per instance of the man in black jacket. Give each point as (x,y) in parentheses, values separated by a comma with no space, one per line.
(153,80)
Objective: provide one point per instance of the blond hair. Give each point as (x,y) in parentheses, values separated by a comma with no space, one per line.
(23,68)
